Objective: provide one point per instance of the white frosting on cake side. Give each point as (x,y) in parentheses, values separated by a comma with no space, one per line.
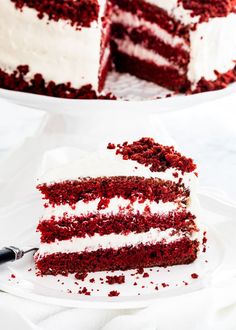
(116,205)
(112,241)
(56,50)
(212,48)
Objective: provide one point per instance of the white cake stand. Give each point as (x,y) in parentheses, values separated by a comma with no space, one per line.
(134,96)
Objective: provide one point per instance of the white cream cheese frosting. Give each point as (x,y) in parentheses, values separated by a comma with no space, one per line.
(111,241)
(212,48)
(116,205)
(102,164)
(57,50)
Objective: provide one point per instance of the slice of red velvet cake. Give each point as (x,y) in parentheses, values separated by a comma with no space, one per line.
(133,205)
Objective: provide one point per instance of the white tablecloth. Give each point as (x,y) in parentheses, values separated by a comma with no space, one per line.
(208,134)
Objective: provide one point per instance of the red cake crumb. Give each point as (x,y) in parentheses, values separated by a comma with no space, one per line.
(81,276)
(158,157)
(84,291)
(145,275)
(222,81)
(13,276)
(140,270)
(29,270)
(113,294)
(194,276)
(204,241)
(92,280)
(79,13)
(209,8)
(135,283)
(156,287)
(165,285)
(115,279)
(185,283)
(111,146)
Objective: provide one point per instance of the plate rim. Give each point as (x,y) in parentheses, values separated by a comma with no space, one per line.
(78,107)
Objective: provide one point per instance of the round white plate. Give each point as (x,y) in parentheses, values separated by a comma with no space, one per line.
(19,278)
(125,87)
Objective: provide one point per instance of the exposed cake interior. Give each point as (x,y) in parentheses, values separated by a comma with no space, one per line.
(136,208)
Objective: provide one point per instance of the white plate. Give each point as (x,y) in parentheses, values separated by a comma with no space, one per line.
(19,224)
(127,88)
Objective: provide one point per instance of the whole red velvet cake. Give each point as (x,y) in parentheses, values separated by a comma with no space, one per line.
(66,48)
(129,206)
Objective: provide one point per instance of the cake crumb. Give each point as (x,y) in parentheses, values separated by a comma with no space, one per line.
(194,275)
(115,279)
(140,270)
(13,276)
(84,291)
(145,275)
(165,285)
(111,146)
(81,276)
(113,294)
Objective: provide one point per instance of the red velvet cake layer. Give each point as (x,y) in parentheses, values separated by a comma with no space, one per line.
(183,251)
(17,81)
(121,223)
(175,55)
(105,188)
(153,14)
(150,153)
(162,75)
(79,13)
